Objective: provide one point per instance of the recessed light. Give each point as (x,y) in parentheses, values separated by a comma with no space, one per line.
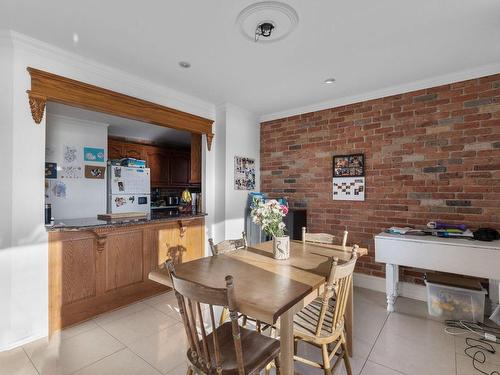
(184,64)
(329,80)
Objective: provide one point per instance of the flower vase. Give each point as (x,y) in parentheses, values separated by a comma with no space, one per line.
(281,247)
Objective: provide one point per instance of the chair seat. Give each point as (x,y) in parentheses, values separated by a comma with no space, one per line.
(306,320)
(258,350)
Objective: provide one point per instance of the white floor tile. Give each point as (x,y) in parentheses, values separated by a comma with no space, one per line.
(65,356)
(138,325)
(414,346)
(16,362)
(372,368)
(123,362)
(179,370)
(120,313)
(165,350)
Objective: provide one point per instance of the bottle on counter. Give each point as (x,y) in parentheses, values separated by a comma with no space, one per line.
(48,213)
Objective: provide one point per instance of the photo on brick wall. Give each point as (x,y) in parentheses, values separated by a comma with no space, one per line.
(244,173)
(349,165)
(348,188)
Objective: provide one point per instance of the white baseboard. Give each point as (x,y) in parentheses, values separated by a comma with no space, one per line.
(22,342)
(407,290)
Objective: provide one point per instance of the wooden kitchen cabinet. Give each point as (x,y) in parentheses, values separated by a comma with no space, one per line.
(169,167)
(179,168)
(95,271)
(115,149)
(157,160)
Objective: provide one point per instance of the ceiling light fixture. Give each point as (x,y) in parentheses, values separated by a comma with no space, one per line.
(329,81)
(184,64)
(264,29)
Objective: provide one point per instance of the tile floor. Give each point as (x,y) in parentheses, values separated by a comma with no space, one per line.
(147,338)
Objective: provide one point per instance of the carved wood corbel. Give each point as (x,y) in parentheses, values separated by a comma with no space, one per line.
(209,141)
(101,240)
(37,106)
(182,228)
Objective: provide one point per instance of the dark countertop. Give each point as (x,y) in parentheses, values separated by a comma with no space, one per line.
(89,223)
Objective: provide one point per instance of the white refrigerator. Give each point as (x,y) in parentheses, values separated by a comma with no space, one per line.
(129,189)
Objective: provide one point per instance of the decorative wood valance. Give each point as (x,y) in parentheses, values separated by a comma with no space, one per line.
(51,87)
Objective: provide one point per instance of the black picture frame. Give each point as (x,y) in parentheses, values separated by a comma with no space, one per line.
(349,165)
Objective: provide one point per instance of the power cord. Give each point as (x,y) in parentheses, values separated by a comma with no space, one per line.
(479,347)
(476,348)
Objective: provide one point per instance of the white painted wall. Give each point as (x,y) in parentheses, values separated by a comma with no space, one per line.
(84,197)
(237,134)
(242,139)
(23,257)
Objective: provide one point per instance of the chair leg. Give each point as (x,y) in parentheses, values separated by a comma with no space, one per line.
(347,362)
(223,316)
(244,323)
(189,370)
(295,346)
(326,360)
(277,364)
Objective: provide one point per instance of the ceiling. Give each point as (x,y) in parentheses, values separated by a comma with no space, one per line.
(366,45)
(125,128)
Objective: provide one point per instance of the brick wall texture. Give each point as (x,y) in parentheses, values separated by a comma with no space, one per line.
(431,154)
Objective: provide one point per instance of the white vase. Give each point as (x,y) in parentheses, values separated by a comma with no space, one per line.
(281,247)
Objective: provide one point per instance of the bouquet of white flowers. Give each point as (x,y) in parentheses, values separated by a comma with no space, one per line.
(269,216)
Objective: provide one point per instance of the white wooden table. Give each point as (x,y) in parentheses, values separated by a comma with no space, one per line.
(460,256)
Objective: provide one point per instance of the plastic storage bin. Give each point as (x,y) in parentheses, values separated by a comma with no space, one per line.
(451,302)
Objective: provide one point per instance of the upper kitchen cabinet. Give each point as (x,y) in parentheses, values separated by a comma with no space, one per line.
(157,159)
(179,168)
(170,167)
(115,149)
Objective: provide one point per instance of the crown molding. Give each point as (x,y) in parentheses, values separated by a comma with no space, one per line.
(169,97)
(462,75)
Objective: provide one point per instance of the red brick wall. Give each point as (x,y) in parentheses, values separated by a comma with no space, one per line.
(429,154)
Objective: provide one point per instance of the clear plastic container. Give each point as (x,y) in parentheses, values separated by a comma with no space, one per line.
(450,302)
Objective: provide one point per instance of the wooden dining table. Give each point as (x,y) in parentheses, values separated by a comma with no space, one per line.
(267,289)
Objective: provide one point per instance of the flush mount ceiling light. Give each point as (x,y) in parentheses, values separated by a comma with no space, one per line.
(267,21)
(329,81)
(184,64)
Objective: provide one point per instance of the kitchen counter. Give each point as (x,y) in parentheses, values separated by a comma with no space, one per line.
(94,223)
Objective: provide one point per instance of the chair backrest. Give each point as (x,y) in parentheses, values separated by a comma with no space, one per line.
(228,245)
(338,285)
(322,238)
(189,296)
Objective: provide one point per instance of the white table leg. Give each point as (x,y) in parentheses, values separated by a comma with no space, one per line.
(286,342)
(391,284)
(494,292)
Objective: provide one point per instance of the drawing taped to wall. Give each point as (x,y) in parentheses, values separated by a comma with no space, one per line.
(244,173)
(70,154)
(93,154)
(349,189)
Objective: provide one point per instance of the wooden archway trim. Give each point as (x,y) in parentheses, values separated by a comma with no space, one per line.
(51,87)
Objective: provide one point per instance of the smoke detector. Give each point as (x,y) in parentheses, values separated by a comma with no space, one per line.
(267,21)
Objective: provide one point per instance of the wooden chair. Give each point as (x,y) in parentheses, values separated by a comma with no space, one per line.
(321,323)
(322,238)
(221,350)
(228,245)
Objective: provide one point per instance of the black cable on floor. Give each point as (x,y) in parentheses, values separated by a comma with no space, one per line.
(475,349)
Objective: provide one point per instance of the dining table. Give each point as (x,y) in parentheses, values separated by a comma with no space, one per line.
(268,289)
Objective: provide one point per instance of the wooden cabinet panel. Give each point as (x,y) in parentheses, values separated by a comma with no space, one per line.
(179,168)
(193,240)
(157,161)
(115,149)
(124,259)
(134,150)
(79,270)
(195,162)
